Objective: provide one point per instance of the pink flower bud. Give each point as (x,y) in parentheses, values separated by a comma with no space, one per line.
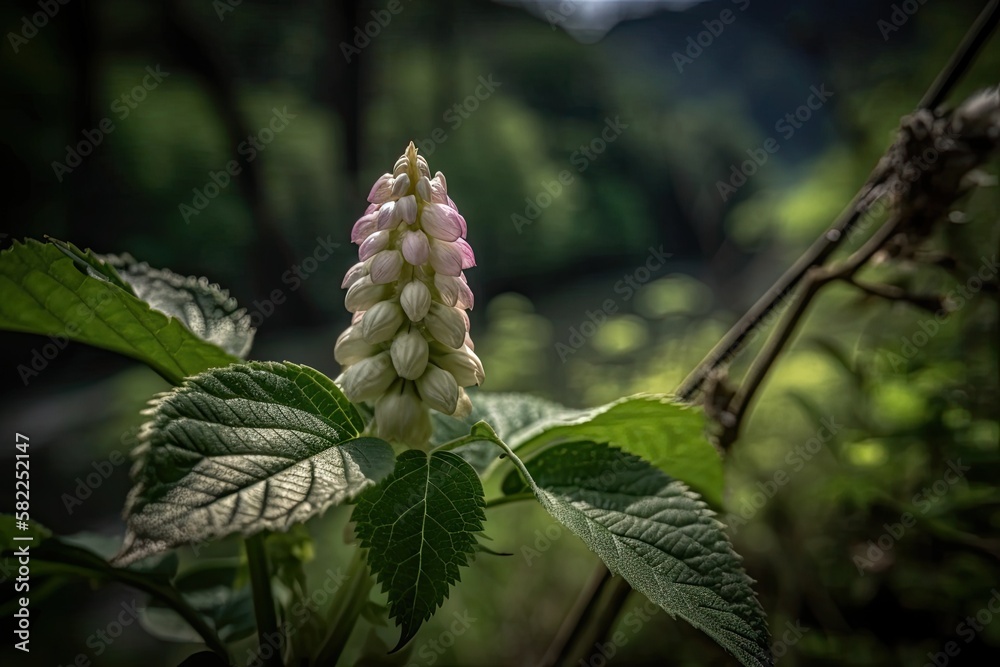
(446,257)
(440,222)
(382,189)
(416,250)
(400,185)
(375,243)
(408,209)
(385,267)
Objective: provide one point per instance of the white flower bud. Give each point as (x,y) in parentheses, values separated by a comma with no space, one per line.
(353,275)
(446,325)
(369,378)
(438,389)
(415,300)
(409,353)
(464,407)
(385,267)
(463,364)
(351,347)
(400,416)
(363,295)
(381,322)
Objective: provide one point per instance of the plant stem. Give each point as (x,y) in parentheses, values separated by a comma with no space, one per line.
(167,595)
(504,500)
(345,608)
(263,599)
(577,618)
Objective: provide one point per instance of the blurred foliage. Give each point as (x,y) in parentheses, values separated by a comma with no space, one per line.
(901,418)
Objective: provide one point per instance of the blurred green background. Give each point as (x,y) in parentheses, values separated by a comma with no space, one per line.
(554,86)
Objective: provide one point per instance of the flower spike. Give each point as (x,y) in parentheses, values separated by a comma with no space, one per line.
(408,350)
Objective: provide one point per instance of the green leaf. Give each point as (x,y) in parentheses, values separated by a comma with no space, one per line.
(654,532)
(63,292)
(205,308)
(419,526)
(83,554)
(251,447)
(665,433)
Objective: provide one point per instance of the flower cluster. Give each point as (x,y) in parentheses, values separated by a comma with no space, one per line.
(408,347)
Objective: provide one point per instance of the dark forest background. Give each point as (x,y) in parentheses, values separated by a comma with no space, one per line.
(905,408)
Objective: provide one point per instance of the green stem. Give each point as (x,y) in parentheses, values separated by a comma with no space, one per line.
(504,500)
(345,610)
(168,596)
(263,599)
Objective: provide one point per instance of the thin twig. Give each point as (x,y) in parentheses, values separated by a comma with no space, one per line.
(824,246)
(816,278)
(576,620)
(932,303)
